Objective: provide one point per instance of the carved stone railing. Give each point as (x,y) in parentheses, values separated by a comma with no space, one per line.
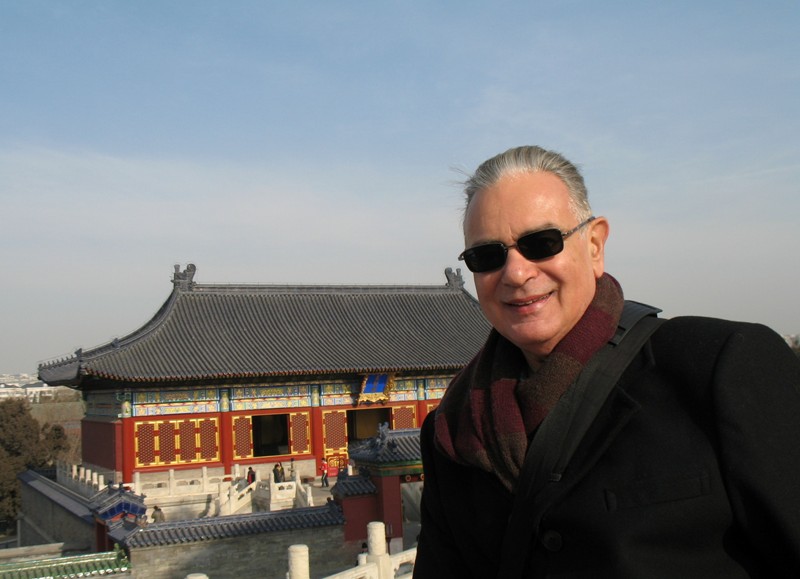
(236,497)
(173,486)
(376,563)
(79,480)
(231,491)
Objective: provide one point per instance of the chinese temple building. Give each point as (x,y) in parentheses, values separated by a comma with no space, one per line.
(248,375)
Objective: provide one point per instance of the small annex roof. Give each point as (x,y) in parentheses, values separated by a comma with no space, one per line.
(191,531)
(241,332)
(112,502)
(352,486)
(388,447)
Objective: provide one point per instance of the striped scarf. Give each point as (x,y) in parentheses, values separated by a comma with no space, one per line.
(488,414)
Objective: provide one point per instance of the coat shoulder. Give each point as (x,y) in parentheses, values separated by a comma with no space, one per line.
(702,334)
(692,346)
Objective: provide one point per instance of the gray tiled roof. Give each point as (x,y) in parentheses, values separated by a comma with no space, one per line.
(207,332)
(353,486)
(171,533)
(390,446)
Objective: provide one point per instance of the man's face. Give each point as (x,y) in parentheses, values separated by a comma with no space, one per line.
(534,304)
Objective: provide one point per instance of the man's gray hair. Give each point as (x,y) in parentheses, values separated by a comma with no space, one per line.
(531,159)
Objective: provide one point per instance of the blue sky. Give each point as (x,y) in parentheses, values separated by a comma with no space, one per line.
(323,142)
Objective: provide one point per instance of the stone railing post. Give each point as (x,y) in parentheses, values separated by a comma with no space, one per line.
(86,483)
(309,495)
(231,499)
(204,482)
(171,482)
(298,562)
(137,483)
(376,550)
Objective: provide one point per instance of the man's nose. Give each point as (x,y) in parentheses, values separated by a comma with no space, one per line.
(518,269)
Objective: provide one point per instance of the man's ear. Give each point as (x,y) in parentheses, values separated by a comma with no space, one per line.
(596,237)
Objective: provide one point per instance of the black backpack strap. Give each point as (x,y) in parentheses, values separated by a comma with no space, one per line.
(562,430)
(631,314)
(592,388)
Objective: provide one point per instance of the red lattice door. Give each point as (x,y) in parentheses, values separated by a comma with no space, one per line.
(334,435)
(299,433)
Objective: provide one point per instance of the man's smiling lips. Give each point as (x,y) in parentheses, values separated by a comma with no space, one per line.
(529,301)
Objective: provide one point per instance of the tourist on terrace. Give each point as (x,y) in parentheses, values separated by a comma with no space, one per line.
(277,472)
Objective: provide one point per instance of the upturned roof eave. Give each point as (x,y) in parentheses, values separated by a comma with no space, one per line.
(70,371)
(66,373)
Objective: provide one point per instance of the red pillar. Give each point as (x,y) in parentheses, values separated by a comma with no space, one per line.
(391,504)
(225,440)
(422,411)
(317,442)
(129,450)
(119,450)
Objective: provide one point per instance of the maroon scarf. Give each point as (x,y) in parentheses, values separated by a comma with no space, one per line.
(494,405)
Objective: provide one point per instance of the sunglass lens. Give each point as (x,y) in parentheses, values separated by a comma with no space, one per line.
(541,245)
(485,257)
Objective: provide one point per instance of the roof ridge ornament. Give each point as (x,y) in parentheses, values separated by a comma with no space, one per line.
(454,279)
(183,280)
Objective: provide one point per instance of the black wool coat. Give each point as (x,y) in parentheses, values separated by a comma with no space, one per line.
(690,470)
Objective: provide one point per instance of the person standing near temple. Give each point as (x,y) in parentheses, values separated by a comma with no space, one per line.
(277,473)
(324,468)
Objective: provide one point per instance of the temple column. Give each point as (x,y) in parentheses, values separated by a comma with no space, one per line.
(225,434)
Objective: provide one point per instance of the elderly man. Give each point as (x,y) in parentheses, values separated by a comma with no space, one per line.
(588,438)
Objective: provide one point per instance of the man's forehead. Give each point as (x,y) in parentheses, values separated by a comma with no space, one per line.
(529,186)
(540,203)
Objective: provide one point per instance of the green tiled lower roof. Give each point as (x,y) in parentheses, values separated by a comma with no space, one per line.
(94,565)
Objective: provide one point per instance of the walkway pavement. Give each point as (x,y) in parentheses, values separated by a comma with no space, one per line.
(321,494)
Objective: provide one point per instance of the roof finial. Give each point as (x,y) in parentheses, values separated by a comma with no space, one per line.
(182,280)
(454,280)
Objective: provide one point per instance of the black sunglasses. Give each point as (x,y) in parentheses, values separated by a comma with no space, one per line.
(536,245)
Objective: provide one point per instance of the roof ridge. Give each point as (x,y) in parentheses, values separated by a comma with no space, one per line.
(319,288)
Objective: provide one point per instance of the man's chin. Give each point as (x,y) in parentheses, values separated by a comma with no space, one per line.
(536,345)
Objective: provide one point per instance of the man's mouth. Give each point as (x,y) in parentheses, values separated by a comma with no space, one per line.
(531,301)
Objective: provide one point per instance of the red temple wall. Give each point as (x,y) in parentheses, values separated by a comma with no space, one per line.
(391,504)
(101,443)
(174,435)
(358,512)
(184,440)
